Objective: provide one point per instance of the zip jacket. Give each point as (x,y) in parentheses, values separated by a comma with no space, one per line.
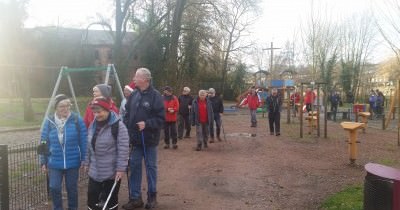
(68,152)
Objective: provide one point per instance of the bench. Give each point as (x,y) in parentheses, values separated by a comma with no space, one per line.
(345,115)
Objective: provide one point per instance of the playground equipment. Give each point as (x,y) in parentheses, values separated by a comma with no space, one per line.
(364,119)
(65,71)
(318,85)
(352,127)
(394,103)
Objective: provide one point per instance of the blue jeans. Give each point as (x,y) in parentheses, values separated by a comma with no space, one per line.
(71,183)
(150,158)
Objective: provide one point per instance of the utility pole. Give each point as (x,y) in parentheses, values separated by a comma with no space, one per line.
(272,57)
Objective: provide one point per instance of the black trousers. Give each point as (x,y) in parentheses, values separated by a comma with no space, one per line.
(183,123)
(274,119)
(95,199)
(170,132)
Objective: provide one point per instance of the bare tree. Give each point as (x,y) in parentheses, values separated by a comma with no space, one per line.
(355,45)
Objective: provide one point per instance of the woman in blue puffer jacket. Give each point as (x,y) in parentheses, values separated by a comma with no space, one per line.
(66,137)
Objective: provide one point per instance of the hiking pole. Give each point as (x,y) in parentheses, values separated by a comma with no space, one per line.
(223,130)
(128,169)
(109,195)
(145,159)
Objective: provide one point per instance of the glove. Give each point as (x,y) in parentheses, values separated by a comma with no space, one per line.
(43,149)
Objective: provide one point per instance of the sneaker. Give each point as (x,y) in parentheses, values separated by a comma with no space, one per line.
(175,146)
(166,146)
(133,204)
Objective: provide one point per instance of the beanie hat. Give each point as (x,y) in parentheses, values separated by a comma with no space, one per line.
(168,88)
(127,87)
(132,84)
(101,102)
(105,90)
(59,98)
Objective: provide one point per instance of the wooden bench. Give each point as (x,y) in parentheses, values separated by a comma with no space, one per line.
(352,127)
(364,119)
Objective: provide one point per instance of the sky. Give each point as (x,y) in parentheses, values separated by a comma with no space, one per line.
(279,21)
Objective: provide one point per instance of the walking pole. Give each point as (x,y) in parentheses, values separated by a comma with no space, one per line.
(109,195)
(145,158)
(127,171)
(223,130)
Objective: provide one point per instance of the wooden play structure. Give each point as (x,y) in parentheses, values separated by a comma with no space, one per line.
(313,114)
(352,128)
(394,104)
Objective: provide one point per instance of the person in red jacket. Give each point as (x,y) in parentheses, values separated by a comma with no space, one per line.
(100,90)
(171,105)
(253,103)
(309,99)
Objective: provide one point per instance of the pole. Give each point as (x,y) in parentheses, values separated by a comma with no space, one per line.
(318,112)
(288,106)
(52,96)
(71,87)
(301,111)
(326,112)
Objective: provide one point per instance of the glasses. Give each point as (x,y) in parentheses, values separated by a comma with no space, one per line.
(66,106)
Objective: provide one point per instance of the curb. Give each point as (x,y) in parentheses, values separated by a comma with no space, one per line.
(8,130)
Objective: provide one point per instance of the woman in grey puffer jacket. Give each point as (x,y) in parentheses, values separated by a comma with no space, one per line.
(107,156)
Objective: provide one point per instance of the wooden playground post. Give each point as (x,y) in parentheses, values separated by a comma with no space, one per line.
(301,110)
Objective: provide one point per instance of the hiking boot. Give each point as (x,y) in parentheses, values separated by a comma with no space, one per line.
(219,138)
(175,146)
(278,134)
(198,148)
(133,204)
(166,146)
(212,140)
(205,145)
(151,201)
(187,137)
(271,133)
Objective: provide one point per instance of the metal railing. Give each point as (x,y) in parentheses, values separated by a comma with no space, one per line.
(23,185)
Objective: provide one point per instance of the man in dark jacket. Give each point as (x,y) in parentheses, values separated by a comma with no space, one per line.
(274,103)
(144,118)
(185,105)
(218,110)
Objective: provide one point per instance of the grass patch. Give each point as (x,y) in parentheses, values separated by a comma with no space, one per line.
(12,111)
(388,162)
(350,198)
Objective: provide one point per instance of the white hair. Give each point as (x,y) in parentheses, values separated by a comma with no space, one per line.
(145,72)
(186,89)
(201,92)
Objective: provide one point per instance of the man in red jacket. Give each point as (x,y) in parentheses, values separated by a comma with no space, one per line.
(253,103)
(171,105)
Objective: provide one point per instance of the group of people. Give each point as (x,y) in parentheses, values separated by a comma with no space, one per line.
(108,142)
(272,102)
(376,102)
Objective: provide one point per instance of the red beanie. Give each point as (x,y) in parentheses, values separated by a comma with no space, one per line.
(132,84)
(101,102)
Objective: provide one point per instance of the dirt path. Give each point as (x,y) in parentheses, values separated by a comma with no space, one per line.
(262,172)
(265,172)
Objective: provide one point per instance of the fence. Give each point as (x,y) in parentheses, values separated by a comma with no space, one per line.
(23,185)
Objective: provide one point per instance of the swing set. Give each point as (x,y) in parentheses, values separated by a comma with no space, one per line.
(65,72)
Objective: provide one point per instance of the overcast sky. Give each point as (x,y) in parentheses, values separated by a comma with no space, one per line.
(279,22)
